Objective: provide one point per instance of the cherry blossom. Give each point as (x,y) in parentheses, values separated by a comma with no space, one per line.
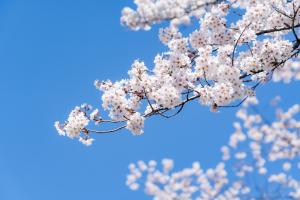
(149,12)
(260,161)
(237,46)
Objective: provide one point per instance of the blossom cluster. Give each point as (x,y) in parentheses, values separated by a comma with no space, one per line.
(149,12)
(257,152)
(78,119)
(221,63)
(288,73)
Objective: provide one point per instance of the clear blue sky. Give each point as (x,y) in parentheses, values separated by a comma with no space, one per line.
(51,51)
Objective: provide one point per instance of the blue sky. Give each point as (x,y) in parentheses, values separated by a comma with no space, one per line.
(51,51)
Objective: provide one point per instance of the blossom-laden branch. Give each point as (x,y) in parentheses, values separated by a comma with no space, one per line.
(260,161)
(220,64)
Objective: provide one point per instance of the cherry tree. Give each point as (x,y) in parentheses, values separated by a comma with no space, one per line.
(260,161)
(236,46)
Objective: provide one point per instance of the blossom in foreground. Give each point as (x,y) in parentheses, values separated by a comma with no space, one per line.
(237,46)
(74,127)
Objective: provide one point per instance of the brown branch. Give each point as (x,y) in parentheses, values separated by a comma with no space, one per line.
(236,44)
(276,30)
(108,131)
(293,25)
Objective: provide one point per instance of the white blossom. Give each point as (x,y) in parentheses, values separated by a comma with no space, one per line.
(248,161)
(87,142)
(220,63)
(136,124)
